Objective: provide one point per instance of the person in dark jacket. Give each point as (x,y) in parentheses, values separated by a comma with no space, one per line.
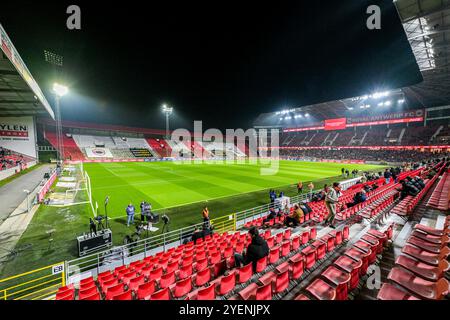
(257,249)
(197,235)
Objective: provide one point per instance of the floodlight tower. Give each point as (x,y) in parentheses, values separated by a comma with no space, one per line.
(167,111)
(59,91)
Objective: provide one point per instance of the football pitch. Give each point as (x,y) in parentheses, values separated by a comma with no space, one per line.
(169,184)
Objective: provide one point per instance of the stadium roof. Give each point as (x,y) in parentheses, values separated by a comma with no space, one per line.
(427,25)
(20,95)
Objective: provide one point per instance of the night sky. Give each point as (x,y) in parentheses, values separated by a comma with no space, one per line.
(223,62)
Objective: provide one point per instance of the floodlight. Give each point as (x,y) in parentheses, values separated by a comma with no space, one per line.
(387,103)
(401,101)
(306,114)
(166,109)
(60,90)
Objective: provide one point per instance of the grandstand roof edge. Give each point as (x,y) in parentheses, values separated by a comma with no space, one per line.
(15,59)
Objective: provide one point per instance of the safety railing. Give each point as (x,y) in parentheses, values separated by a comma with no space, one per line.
(106,260)
(37,284)
(139,249)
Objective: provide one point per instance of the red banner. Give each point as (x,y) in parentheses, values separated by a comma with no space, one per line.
(336,124)
(10,133)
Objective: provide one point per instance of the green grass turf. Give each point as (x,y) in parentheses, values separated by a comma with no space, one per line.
(72,221)
(168,185)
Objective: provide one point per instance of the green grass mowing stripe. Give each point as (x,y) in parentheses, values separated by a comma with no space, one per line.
(180,184)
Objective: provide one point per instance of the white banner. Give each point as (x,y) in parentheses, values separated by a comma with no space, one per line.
(98,153)
(17,134)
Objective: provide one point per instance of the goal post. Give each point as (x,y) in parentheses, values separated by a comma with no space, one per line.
(89,192)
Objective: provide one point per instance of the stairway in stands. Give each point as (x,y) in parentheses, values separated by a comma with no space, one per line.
(160,146)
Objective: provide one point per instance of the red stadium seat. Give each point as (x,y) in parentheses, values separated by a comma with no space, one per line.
(337,236)
(351,266)
(226,284)
(310,257)
(301,297)
(390,292)
(201,264)
(281,282)
(422,255)
(207,293)
(182,288)
(94,296)
(113,291)
(125,278)
(171,267)
(245,273)
(163,294)
(295,243)
(313,234)
(358,255)
(298,267)
(420,287)
(438,240)
(321,248)
(264,292)
(66,295)
(167,280)
(156,274)
(134,283)
(185,272)
(305,237)
(110,283)
(202,277)
(123,296)
(287,234)
(214,258)
(345,232)
(423,270)
(145,290)
(261,264)
(82,294)
(321,290)
(285,248)
(340,280)
(274,255)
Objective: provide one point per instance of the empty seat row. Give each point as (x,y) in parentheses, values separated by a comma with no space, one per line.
(419,272)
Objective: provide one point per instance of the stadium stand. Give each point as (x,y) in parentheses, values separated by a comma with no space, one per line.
(71,149)
(301,262)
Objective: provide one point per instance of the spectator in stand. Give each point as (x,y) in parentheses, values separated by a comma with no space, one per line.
(272,215)
(331,201)
(130,214)
(359,197)
(310,189)
(257,249)
(305,207)
(387,175)
(299,187)
(197,234)
(420,182)
(205,215)
(295,218)
(407,190)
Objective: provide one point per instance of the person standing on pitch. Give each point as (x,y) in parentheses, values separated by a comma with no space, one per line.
(331,199)
(130,214)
